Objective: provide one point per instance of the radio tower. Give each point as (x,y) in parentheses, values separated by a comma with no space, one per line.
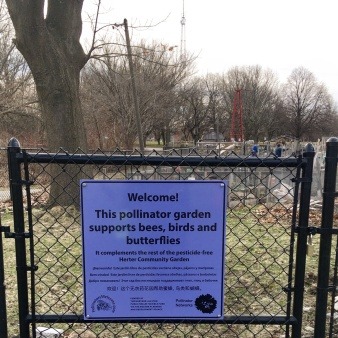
(237,132)
(183,45)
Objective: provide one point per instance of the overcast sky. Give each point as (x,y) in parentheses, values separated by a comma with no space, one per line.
(277,34)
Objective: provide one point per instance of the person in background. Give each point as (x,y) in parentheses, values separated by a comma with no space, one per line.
(254,150)
(278,150)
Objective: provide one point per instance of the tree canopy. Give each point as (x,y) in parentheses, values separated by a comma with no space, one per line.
(172,99)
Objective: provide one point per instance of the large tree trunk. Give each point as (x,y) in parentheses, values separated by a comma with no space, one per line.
(55,56)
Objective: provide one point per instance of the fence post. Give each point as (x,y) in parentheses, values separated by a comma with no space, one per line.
(324,261)
(3,309)
(304,208)
(19,234)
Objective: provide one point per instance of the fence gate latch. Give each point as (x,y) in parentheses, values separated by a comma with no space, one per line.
(32,268)
(301,180)
(9,234)
(310,230)
(4,229)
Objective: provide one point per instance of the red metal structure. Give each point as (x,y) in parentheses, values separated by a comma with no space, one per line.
(237,130)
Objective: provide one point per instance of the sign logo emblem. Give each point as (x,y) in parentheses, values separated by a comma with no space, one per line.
(103,303)
(206,303)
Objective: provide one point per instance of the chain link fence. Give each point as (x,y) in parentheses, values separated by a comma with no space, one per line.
(4,183)
(262,217)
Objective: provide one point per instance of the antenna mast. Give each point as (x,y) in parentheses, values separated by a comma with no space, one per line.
(183,44)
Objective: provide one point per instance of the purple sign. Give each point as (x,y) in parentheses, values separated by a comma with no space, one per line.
(153,249)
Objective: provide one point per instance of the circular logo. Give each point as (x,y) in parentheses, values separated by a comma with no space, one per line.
(206,303)
(103,303)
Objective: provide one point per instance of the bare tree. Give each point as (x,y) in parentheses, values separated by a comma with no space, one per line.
(195,109)
(51,47)
(157,70)
(307,103)
(260,98)
(218,116)
(17,96)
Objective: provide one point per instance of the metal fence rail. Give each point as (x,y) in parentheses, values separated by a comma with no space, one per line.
(267,216)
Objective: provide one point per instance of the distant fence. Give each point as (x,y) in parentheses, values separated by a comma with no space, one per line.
(183,172)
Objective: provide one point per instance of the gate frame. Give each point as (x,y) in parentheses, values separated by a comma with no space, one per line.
(3,308)
(19,234)
(326,231)
(16,157)
(303,233)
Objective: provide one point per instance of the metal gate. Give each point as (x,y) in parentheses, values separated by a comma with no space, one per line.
(327,305)
(267,237)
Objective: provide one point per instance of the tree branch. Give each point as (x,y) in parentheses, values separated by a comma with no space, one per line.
(93,47)
(12,110)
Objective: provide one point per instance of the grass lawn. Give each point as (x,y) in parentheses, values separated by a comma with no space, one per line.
(257,268)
